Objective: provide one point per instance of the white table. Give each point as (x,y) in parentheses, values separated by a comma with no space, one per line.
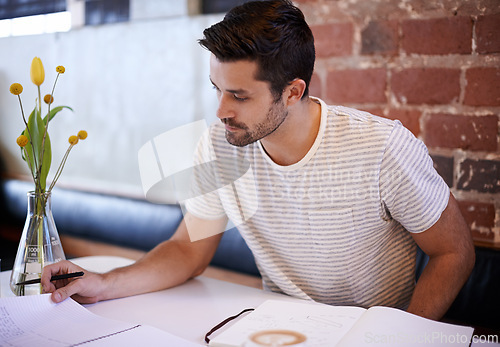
(188,311)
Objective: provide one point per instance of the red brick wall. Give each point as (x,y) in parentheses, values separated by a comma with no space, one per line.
(434,65)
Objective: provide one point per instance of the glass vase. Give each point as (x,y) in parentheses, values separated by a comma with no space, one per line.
(39,245)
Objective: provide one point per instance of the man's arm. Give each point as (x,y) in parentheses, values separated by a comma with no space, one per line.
(167,265)
(448,244)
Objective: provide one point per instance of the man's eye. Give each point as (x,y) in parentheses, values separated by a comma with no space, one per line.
(238,98)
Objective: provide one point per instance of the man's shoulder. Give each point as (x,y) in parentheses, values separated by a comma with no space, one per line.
(356,126)
(355,116)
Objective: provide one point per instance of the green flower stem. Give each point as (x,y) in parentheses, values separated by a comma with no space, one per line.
(54,86)
(37,236)
(40,210)
(44,132)
(39,101)
(30,164)
(22,110)
(60,168)
(48,115)
(39,167)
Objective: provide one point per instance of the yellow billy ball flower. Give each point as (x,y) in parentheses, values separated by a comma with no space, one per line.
(60,69)
(82,134)
(22,140)
(73,139)
(37,72)
(48,99)
(16,88)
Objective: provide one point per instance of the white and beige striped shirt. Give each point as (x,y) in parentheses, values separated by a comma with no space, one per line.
(334,227)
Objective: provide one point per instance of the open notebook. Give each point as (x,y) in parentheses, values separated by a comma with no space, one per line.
(325,325)
(37,321)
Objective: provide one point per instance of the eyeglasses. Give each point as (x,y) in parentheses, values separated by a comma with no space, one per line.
(224,322)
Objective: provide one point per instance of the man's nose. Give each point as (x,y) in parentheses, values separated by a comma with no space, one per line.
(224,110)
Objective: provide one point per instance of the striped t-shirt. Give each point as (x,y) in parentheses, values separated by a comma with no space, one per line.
(334,227)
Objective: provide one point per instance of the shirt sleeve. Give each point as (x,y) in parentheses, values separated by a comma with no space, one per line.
(411,190)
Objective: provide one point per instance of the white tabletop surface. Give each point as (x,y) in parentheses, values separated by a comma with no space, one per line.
(188,311)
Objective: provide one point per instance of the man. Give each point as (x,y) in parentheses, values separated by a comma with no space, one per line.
(341,197)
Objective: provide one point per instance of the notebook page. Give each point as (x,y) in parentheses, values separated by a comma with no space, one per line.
(323,325)
(385,326)
(37,321)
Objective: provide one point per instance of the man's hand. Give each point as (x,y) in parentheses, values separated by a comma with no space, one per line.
(85,290)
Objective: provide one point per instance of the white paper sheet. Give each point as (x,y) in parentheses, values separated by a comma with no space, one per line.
(37,321)
(325,325)
(385,326)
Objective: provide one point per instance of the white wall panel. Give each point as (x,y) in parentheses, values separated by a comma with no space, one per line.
(127,83)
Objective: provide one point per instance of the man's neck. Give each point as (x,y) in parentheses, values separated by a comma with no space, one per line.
(296,135)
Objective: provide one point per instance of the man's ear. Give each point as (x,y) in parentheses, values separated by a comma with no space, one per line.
(294,91)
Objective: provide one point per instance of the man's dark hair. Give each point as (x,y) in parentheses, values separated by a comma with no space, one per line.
(272,33)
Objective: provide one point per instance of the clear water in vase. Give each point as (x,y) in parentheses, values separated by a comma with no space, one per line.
(39,245)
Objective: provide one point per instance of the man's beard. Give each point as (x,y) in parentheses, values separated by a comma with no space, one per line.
(275,116)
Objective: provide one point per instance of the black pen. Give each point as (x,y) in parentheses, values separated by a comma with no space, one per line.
(53,278)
